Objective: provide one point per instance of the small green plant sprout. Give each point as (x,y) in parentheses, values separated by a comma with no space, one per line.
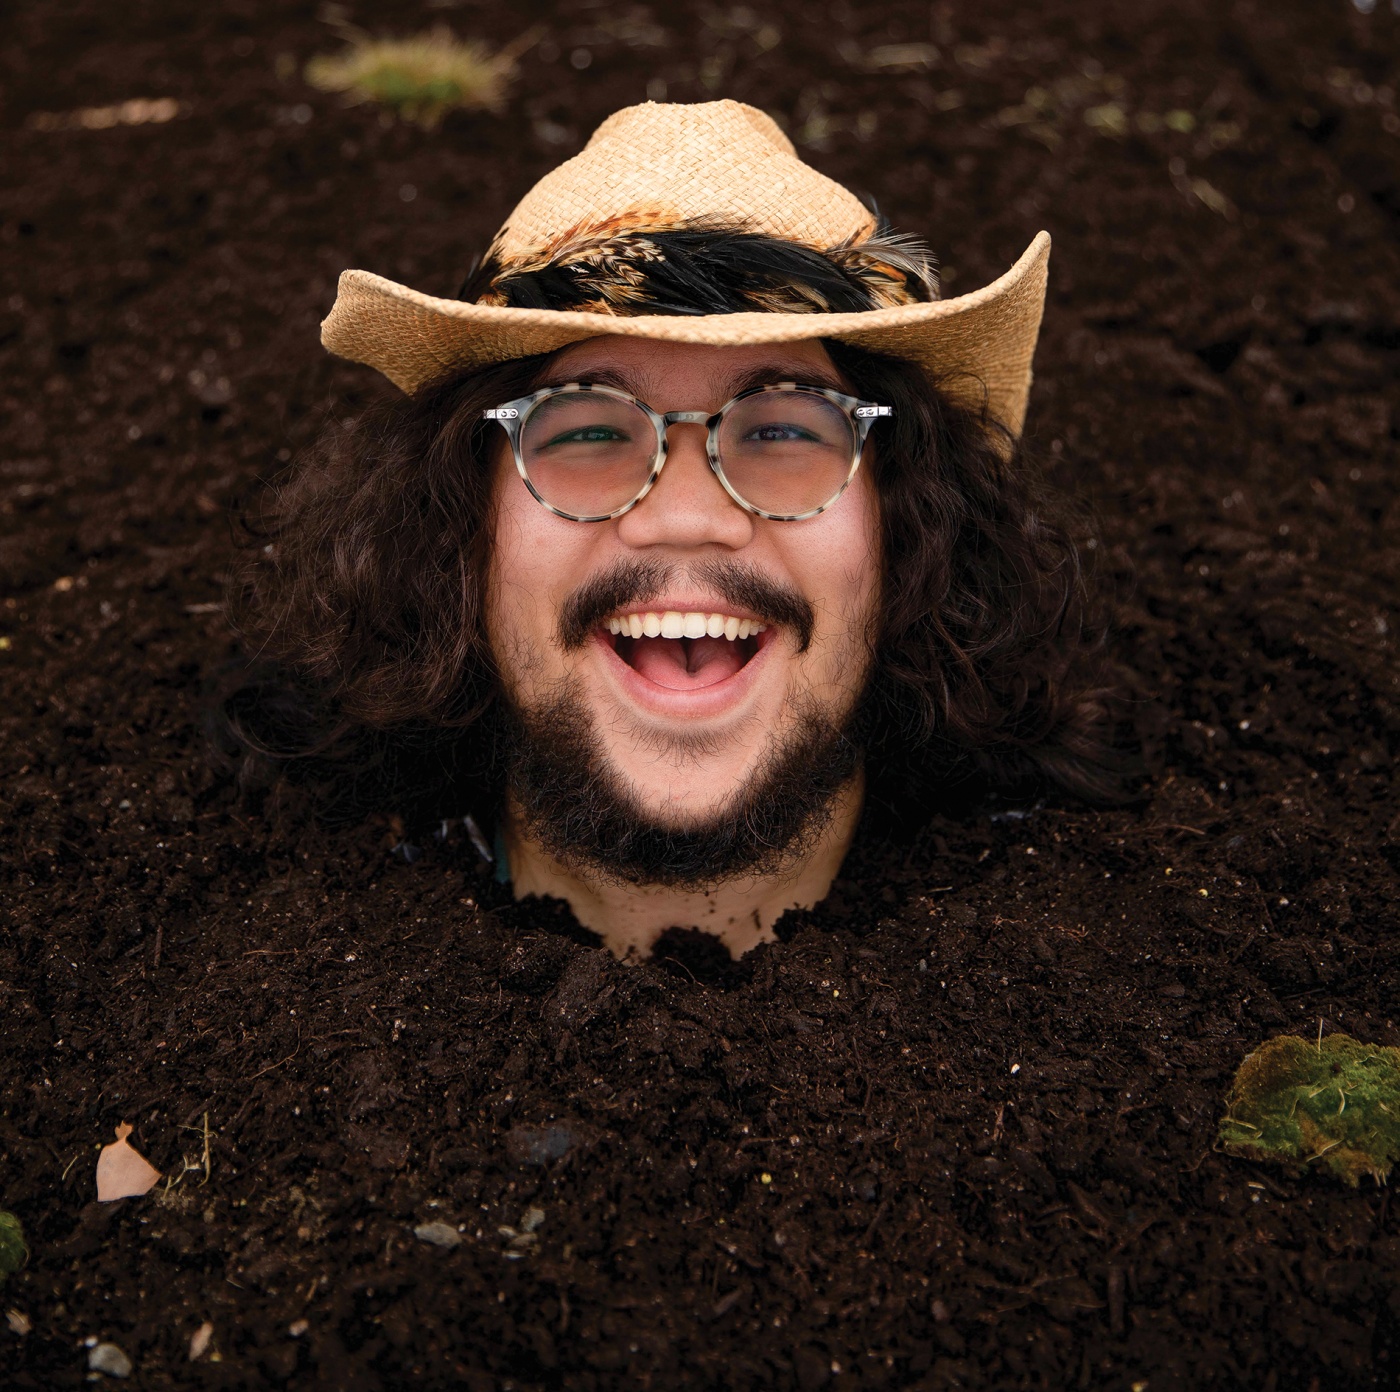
(422,78)
(12,1249)
(1331,1102)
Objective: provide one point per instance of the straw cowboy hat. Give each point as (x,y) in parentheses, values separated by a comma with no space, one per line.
(718,164)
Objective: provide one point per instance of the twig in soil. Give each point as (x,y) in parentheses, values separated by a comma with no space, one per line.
(136,111)
(1088,1209)
(279,1064)
(730,1299)
(875,1223)
(1123,1244)
(1115,1301)
(69,1166)
(676,961)
(203,1163)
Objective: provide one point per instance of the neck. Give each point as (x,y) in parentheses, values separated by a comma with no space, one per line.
(740,912)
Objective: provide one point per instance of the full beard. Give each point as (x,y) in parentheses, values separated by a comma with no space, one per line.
(581,812)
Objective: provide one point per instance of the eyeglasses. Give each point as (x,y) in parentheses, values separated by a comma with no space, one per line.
(785,452)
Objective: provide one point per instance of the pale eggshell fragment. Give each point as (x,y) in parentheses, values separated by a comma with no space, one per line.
(122,1172)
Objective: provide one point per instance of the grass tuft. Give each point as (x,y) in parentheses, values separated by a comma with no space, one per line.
(419,79)
(1333,1102)
(12,1248)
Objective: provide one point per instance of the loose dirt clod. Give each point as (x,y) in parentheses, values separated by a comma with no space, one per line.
(122,1171)
(1335,1101)
(438,1234)
(109,1359)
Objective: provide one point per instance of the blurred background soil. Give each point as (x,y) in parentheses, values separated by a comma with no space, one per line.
(956,1130)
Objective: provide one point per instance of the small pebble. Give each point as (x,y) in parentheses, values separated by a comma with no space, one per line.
(199,1341)
(538,1145)
(109,1359)
(439,1234)
(18,1322)
(297,1328)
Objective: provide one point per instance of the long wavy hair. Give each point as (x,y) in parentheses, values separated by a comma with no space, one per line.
(362,608)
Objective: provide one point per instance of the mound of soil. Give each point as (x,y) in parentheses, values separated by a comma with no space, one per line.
(956,1130)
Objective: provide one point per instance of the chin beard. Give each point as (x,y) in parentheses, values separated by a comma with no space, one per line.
(577,808)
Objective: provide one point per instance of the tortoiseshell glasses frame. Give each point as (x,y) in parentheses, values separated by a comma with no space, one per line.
(515,417)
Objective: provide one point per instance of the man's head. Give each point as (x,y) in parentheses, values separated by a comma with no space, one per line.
(671,675)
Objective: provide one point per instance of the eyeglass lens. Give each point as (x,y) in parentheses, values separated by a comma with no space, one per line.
(785,453)
(588,454)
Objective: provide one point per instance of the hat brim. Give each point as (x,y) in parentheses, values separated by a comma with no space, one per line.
(977,347)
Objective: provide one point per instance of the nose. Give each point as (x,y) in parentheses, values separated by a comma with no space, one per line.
(687,506)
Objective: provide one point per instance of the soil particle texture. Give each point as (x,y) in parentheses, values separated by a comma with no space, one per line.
(955,1130)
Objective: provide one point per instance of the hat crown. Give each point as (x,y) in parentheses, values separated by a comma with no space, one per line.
(661,165)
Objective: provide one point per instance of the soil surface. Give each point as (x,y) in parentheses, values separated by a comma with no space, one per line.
(956,1130)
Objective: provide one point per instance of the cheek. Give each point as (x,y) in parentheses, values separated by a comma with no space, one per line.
(515,555)
(533,557)
(852,576)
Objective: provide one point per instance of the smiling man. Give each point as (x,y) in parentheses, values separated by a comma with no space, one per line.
(700,531)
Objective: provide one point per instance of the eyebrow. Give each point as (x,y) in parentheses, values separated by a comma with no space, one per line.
(643,384)
(785,370)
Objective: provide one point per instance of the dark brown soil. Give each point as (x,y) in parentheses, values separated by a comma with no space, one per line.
(956,1131)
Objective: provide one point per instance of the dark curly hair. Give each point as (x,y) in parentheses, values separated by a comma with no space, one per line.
(370,675)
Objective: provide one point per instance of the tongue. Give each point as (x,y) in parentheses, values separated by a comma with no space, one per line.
(685,664)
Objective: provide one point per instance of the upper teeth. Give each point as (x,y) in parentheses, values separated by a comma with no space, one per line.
(673,624)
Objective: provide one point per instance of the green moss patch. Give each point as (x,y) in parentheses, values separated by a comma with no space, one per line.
(12,1248)
(1333,1103)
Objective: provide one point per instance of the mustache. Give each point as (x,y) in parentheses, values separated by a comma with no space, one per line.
(637,582)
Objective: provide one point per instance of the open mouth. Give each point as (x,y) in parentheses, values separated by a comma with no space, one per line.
(684,651)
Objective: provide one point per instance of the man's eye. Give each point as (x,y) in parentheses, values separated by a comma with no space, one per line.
(590,435)
(775,434)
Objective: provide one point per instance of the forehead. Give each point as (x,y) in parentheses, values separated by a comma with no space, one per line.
(655,370)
